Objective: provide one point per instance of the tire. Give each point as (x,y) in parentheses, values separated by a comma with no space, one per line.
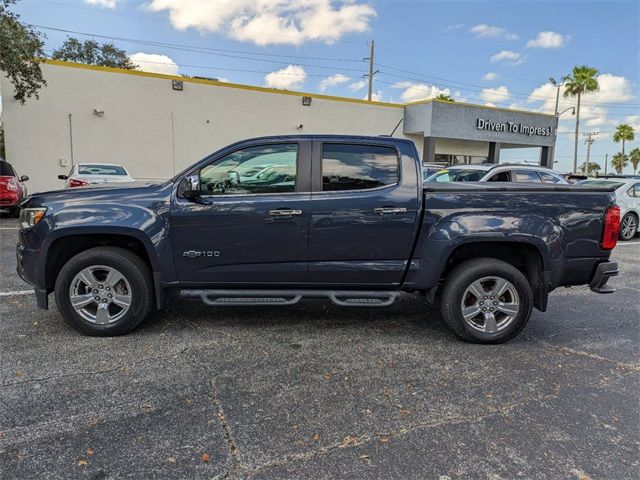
(488,273)
(628,227)
(14,212)
(123,288)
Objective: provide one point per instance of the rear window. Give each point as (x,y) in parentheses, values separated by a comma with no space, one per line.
(6,170)
(101,170)
(358,167)
(457,175)
(548,178)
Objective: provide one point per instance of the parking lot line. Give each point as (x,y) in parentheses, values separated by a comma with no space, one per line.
(16,292)
(627,243)
(9,228)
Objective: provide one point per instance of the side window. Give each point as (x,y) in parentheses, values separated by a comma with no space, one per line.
(548,178)
(527,176)
(260,169)
(501,177)
(637,190)
(358,167)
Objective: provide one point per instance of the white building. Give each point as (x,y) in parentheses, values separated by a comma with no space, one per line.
(157,125)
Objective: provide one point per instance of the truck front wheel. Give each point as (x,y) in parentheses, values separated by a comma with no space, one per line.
(104,291)
(486,300)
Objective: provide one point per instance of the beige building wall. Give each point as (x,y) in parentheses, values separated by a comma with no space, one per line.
(156,131)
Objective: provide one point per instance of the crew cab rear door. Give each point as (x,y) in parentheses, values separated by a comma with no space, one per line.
(364,212)
(250,224)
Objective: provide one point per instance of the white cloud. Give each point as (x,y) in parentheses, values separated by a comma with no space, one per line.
(288,78)
(454,27)
(488,31)
(548,40)
(102,3)
(332,81)
(490,76)
(507,56)
(418,91)
(267,22)
(613,89)
(495,95)
(359,85)
(150,62)
(375,96)
(634,121)
(489,104)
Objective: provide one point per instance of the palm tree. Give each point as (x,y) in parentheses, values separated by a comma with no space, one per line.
(624,133)
(634,156)
(443,97)
(583,79)
(619,161)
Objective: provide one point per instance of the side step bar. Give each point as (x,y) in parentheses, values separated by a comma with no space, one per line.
(343,298)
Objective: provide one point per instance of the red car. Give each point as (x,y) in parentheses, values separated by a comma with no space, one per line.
(12,189)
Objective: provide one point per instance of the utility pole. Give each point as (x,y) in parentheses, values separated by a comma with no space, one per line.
(371,72)
(589,141)
(606,162)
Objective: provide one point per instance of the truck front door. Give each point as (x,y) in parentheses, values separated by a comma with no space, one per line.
(250,224)
(364,213)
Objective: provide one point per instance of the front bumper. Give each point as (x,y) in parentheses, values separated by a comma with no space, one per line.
(28,269)
(604,271)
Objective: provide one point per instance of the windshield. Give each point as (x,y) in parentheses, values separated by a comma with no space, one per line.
(101,170)
(457,175)
(6,170)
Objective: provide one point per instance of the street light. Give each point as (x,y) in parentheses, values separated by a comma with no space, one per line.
(573,111)
(553,82)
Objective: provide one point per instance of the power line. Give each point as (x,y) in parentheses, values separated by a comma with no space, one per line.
(206,50)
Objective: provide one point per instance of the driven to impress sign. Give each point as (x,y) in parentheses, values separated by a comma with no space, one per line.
(512,127)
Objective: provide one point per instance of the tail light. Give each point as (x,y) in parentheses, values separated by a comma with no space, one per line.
(77,183)
(611,228)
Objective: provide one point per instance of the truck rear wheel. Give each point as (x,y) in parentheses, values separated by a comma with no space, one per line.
(486,301)
(104,291)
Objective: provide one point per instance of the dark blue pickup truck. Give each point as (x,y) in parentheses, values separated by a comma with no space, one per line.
(270,221)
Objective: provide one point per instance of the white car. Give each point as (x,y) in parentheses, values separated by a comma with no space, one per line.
(627,198)
(85,174)
(492,172)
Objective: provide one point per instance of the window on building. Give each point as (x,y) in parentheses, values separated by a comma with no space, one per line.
(260,169)
(527,176)
(358,167)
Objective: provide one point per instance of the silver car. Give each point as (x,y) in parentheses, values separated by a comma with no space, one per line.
(627,198)
(503,172)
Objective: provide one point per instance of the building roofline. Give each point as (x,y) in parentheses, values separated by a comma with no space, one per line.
(216,83)
(477,105)
(140,73)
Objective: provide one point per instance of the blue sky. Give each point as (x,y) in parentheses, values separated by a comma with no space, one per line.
(499,53)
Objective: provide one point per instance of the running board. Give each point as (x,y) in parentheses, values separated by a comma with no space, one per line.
(343,298)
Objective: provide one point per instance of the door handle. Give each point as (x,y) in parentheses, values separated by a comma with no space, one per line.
(389,210)
(284,212)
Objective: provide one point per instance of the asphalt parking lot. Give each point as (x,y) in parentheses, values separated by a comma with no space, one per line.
(316,391)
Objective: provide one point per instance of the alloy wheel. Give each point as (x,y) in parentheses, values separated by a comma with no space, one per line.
(490,304)
(100,294)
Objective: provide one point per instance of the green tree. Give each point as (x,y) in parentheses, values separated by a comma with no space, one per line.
(634,158)
(443,97)
(3,153)
(91,52)
(583,79)
(21,52)
(593,169)
(624,133)
(619,161)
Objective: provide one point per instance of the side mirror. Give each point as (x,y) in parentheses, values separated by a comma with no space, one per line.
(24,178)
(62,177)
(189,187)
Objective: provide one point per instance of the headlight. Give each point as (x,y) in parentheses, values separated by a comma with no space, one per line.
(31,216)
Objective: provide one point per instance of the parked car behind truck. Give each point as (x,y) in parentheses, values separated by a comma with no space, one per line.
(346,218)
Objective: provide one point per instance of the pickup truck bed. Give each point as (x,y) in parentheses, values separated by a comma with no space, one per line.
(272,220)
